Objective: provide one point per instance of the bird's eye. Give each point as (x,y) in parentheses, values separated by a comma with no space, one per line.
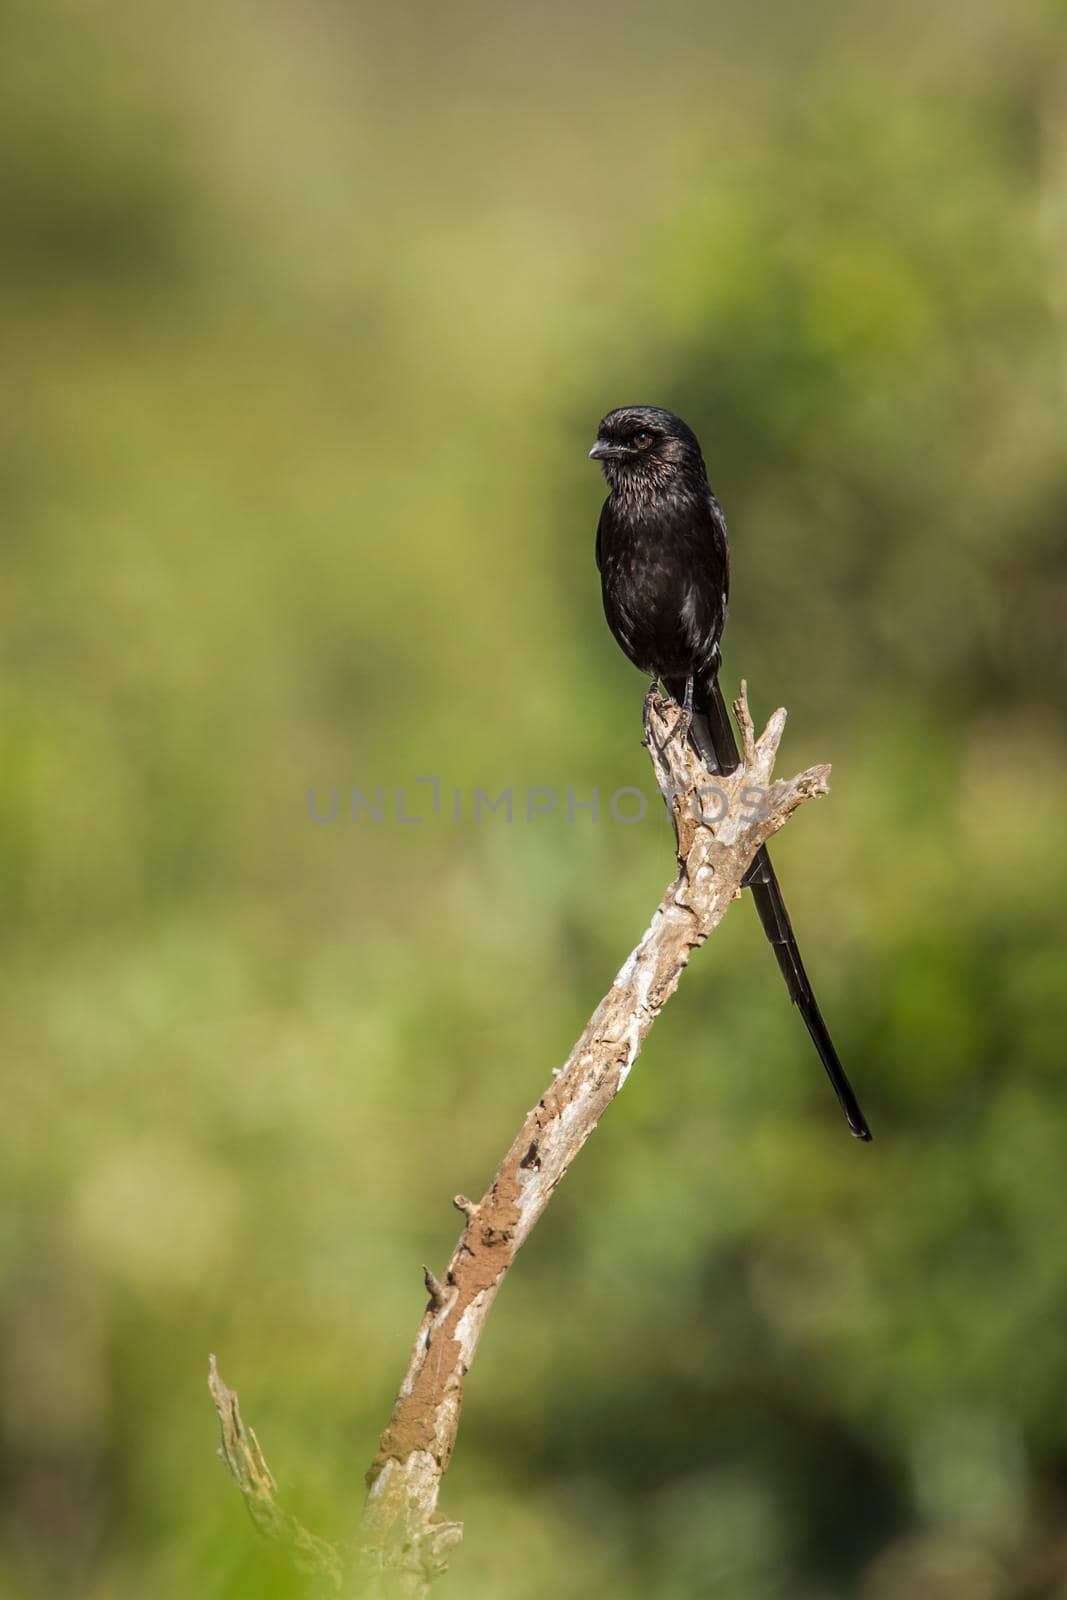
(642,440)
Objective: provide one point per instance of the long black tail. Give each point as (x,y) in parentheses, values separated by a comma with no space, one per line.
(711,722)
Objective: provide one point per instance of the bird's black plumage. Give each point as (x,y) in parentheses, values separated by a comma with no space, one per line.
(664,560)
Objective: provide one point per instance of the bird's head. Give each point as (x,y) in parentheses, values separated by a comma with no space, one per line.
(645,446)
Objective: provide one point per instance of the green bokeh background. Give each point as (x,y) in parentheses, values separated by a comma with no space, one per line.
(310,312)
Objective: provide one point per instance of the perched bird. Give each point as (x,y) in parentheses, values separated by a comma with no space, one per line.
(664,560)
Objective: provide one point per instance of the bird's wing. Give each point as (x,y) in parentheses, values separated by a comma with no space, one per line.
(599,525)
(721,543)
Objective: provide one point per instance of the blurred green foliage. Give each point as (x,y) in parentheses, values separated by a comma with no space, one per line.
(310,315)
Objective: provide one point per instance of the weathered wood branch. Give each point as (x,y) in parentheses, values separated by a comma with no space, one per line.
(720,822)
(241,1452)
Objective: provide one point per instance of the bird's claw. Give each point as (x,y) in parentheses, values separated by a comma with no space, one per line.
(682,726)
(646,719)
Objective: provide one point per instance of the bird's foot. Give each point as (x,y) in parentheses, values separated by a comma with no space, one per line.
(685,713)
(646,718)
(682,726)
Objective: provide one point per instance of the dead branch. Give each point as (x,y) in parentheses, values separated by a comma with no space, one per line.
(241,1452)
(720,822)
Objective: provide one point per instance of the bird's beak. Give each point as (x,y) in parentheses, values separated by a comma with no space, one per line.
(601,451)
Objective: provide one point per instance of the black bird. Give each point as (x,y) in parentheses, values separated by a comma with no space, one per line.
(664,561)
